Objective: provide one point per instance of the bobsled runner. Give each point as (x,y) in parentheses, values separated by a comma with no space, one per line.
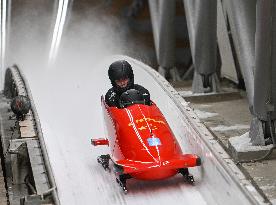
(142,145)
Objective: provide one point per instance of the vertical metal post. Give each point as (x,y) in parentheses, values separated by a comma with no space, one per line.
(228,68)
(163,17)
(242,19)
(167,35)
(264,100)
(202,27)
(154,14)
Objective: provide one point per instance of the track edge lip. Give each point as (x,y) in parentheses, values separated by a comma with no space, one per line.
(27,91)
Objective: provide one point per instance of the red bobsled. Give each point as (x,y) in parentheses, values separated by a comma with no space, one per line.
(142,145)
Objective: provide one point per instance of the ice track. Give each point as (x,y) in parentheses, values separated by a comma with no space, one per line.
(68,104)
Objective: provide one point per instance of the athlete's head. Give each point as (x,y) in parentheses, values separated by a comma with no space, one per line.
(121,76)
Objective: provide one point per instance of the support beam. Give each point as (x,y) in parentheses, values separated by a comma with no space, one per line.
(264,100)
(163,20)
(242,19)
(228,68)
(202,24)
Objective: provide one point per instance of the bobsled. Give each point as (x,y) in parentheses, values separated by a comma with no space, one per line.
(142,144)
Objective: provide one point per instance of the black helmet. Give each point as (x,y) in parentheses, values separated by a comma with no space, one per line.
(131,97)
(121,70)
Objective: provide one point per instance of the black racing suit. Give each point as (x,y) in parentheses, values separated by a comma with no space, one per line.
(112,97)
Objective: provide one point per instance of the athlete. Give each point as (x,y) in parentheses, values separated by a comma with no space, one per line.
(121,76)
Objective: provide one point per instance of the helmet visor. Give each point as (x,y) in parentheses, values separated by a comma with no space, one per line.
(122,83)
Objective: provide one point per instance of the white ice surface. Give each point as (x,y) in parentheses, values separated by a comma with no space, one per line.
(243,144)
(68,104)
(204,115)
(227,128)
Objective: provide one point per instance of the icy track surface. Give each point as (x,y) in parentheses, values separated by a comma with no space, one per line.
(68,104)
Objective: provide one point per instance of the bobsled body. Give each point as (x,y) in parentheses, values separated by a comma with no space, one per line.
(142,144)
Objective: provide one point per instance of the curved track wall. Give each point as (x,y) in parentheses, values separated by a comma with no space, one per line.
(68,104)
(16,84)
